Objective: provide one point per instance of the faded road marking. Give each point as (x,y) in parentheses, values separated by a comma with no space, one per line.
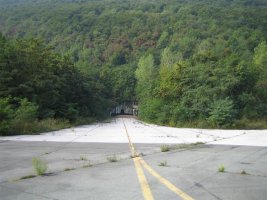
(147,194)
(138,161)
(164,181)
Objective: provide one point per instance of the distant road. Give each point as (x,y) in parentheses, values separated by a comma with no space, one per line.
(141,132)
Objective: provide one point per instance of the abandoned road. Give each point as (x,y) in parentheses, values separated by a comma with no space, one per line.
(80,167)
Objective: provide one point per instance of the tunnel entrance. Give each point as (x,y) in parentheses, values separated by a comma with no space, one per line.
(126,108)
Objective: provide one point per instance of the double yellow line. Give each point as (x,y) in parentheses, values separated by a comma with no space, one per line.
(139,162)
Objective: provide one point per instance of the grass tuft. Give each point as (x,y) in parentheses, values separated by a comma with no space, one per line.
(112,158)
(165,148)
(163,163)
(39,166)
(221,168)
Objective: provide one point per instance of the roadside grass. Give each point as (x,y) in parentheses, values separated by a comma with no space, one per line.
(187,146)
(250,124)
(221,168)
(165,148)
(39,166)
(163,163)
(112,158)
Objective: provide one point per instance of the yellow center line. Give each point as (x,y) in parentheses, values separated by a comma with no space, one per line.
(133,152)
(138,161)
(164,181)
(147,194)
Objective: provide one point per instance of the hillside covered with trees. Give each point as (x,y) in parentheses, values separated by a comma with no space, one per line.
(200,63)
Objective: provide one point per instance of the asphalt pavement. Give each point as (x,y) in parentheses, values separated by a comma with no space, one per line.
(82,170)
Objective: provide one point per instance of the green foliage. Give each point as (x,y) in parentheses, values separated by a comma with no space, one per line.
(6,114)
(24,117)
(38,84)
(221,112)
(183,61)
(221,168)
(165,148)
(145,75)
(39,166)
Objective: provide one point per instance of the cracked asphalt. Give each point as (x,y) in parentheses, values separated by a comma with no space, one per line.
(192,168)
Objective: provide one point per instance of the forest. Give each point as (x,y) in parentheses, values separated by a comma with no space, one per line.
(188,63)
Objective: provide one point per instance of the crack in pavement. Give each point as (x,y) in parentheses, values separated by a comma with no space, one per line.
(206,190)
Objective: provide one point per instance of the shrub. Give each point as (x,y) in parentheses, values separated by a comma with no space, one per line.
(39,166)
(24,117)
(6,114)
(221,112)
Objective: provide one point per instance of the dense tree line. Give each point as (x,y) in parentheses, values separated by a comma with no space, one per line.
(37,84)
(187,62)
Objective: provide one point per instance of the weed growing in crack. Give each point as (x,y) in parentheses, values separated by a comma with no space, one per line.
(163,163)
(221,168)
(112,158)
(39,166)
(165,148)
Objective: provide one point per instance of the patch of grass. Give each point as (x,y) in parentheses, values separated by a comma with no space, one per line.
(165,148)
(187,146)
(243,172)
(112,158)
(163,163)
(69,169)
(39,166)
(221,168)
(250,124)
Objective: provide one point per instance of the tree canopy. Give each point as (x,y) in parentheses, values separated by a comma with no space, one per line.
(195,62)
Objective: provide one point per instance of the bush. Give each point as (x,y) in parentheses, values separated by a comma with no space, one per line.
(6,114)
(221,112)
(149,110)
(39,166)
